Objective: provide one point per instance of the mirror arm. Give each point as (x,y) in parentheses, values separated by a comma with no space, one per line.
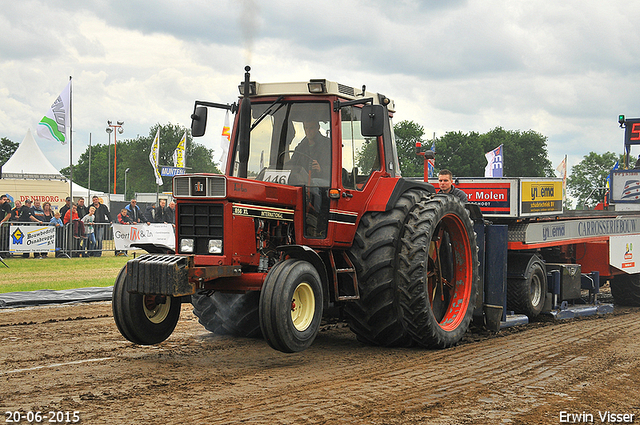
(337,104)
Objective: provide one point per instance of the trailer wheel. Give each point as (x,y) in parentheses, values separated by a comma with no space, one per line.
(625,289)
(438,272)
(143,319)
(377,317)
(526,295)
(229,314)
(291,305)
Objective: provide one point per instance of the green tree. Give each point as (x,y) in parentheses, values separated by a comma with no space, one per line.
(7,148)
(588,179)
(134,155)
(461,153)
(407,134)
(525,153)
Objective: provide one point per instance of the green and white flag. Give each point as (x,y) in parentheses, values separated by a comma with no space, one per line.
(54,124)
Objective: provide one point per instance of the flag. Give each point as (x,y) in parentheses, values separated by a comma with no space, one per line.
(224,143)
(615,167)
(153,157)
(562,169)
(56,121)
(431,163)
(494,163)
(178,154)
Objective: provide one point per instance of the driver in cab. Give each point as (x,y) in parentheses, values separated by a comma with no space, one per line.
(313,153)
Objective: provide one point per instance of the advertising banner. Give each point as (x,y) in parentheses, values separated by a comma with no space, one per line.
(159,234)
(495,197)
(32,238)
(540,197)
(622,254)
(625,186)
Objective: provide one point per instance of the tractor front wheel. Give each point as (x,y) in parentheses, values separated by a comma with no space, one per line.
(291,306)
(143,319)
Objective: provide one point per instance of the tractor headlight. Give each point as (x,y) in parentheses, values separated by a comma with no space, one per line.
(186,245)
(215,246)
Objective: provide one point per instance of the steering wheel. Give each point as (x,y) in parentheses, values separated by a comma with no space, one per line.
(302,169)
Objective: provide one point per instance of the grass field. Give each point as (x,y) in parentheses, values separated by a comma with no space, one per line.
(30,274)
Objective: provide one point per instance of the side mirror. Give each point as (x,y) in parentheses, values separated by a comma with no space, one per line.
(372,123)
(199,121)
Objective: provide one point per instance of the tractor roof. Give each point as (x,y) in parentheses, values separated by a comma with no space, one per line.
(317,87)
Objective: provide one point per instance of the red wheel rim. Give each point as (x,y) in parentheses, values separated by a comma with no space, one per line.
(450,295)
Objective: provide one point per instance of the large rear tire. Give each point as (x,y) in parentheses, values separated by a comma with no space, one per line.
(526,294)
(625,289)
(143,319)
(377,318)
(438,272)
(229,314)
(291,305)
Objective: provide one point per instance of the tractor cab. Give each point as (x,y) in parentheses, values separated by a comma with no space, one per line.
(319,135)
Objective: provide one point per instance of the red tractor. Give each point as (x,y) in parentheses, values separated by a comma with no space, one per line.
(311,216)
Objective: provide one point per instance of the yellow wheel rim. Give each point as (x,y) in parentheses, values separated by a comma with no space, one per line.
(303,306)
(155,311)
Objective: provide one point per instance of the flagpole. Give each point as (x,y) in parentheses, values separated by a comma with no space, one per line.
(70,237)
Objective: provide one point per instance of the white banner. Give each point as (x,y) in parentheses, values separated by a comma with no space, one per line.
(158,233)
(32,239)
(622,255)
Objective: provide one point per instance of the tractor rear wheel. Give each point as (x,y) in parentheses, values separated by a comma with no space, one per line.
(377,317)
(229,314)
(143,319)
(291,305)
(438,272)
(625,289)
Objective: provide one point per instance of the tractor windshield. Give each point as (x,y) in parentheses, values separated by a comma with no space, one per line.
(290,143)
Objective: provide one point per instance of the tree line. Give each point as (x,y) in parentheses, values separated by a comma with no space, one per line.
(525,155)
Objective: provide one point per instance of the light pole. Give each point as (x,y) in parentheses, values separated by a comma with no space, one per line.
(125,183)
(109,129)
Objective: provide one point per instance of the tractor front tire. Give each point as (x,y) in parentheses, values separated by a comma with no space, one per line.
(143,319)
(291,305)
(229,314)
(438,272)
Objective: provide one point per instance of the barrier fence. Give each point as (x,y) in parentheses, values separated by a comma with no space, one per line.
(70,240)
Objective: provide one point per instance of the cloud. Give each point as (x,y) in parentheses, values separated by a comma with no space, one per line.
(564,69)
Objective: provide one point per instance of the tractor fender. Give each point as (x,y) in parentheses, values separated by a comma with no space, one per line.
(303,252)
(402,186)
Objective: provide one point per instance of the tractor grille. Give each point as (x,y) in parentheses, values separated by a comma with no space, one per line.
(200,222)
(196,185)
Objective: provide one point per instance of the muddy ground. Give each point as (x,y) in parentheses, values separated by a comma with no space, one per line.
(72,358)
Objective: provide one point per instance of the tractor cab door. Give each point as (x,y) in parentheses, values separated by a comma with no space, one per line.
(361,163)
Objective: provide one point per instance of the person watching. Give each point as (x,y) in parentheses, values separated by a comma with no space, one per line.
(5,206)
(445,181)
(102,217)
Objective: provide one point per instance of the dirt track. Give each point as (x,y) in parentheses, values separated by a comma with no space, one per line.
(72,358)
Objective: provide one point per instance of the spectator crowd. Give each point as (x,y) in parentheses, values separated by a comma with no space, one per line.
(89,224)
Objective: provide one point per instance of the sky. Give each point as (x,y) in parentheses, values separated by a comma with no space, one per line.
(563,69)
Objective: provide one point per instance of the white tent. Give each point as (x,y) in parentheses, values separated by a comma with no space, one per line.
(80,191)
(28,161)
